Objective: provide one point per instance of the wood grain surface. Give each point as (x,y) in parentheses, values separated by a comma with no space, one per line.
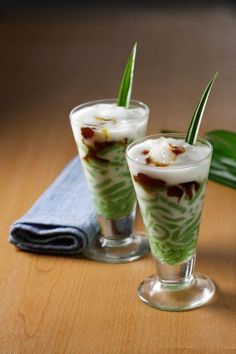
(52,60)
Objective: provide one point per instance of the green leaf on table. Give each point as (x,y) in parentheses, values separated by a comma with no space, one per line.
(127,80)
(223,178)
(223,141)
(193,129)
(223,164)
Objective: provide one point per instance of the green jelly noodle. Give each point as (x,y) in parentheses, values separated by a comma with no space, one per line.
(172,226)
(110,184)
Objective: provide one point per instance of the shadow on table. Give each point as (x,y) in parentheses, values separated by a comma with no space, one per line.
(225,262)
(224,300)
(221,256)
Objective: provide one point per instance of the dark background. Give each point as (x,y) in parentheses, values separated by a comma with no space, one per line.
(56,55)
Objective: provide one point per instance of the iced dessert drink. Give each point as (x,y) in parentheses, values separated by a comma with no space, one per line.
(170,187)
(102,131)
(170,177)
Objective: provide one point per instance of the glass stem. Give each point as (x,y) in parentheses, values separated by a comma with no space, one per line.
(117,230)
(176,274)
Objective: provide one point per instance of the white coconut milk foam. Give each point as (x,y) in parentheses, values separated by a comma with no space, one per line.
(170,159)
(118,122)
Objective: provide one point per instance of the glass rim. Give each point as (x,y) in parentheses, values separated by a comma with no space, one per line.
(173,135)
(108,100)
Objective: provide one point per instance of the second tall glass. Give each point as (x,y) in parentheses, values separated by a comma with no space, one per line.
(102,131)
(171,200)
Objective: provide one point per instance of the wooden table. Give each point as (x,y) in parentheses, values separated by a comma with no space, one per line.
(52,60)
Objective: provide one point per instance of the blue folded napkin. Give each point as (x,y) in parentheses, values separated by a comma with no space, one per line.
(63,219)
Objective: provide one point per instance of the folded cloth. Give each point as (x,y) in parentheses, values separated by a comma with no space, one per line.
(63,219)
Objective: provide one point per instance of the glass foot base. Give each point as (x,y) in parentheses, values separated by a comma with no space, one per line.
(122,251)
(198,291)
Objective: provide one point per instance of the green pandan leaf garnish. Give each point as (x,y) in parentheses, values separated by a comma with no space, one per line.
(127,80)
(193,129)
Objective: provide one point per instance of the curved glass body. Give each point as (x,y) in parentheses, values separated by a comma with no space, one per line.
(171,201)
(102,132)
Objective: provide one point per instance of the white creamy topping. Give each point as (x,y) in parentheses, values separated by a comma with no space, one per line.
(108,112)
(109,122)
(161,151)
(108,115)
(183,168)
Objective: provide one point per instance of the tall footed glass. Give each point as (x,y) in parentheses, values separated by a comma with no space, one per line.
(170,177)
(102,131)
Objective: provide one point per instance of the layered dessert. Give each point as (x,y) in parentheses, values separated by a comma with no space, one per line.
(102,133)
(170,176)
